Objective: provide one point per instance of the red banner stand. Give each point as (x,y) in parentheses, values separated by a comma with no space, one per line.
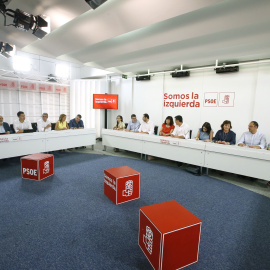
(169,235)
(37,166)
(121,184)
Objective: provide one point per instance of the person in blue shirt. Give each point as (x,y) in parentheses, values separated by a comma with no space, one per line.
(4,127)
(133,124)
(76,122)
(205,133)
(225,135)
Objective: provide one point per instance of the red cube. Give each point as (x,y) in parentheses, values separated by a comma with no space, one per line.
(169,235)
(121,184)
(37,166)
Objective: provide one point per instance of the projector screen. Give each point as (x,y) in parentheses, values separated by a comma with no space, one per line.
(102,101)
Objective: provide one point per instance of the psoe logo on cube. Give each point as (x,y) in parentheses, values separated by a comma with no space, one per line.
(30,171)
(46,169)
(148,239)
(128,191)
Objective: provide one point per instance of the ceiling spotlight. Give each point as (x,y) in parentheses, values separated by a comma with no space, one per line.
(95,3)
(25,21)
(7,50)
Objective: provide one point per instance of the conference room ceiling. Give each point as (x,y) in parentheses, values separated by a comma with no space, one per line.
(133,36)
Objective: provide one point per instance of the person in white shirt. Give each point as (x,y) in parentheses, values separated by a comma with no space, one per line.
(181,130)
(253,138)
(21,124)
(147,126)
(43,124)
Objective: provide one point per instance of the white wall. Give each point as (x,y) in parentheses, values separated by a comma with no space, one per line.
(251,87)
(81,102)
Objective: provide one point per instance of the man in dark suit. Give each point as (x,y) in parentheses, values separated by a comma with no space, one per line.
(4,127)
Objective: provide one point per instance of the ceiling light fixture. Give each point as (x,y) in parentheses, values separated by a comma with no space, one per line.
(7,50)
(25,21)
(95,3)
(62,71)
(21,63)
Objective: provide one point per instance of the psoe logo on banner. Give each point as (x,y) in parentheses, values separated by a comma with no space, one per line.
(148,239)
(226,99)
(210,99)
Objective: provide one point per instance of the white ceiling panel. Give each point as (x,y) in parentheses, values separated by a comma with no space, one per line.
(137,35)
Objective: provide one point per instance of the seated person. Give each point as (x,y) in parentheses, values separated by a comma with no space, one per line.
(147,126)
(253,138)
(21,124)
(133,124)
(76,122)
(181,130)
(120,125)
(205,133)
(4,126)
(225,135)
(43,124)
(62,124)
(167,127)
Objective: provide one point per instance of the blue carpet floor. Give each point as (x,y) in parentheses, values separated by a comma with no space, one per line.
(66,222)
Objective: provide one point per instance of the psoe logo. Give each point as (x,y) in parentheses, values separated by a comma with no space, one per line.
(226,99)
(148,239)
(128,191)
(46,169)
(30,171)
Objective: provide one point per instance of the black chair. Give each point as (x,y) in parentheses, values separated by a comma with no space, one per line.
(12,128)
(155,130)
(190,134)
(53,126)
(34,125)
(126,124)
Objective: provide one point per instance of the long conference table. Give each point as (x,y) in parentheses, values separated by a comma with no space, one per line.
(228,158)
(13,145)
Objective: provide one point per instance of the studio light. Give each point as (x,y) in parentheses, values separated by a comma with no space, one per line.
(227,69)
(143,78)
(7,50)
(21,63)
(95,3)
(180,74)
(51,78)
(25,21)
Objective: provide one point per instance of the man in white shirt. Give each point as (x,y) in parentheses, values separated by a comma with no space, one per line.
(253,138)
(181,130)
(147,126)
(21,124)
(43,124)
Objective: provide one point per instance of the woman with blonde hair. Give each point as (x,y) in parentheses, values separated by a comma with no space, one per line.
(62,123)
(120,125)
